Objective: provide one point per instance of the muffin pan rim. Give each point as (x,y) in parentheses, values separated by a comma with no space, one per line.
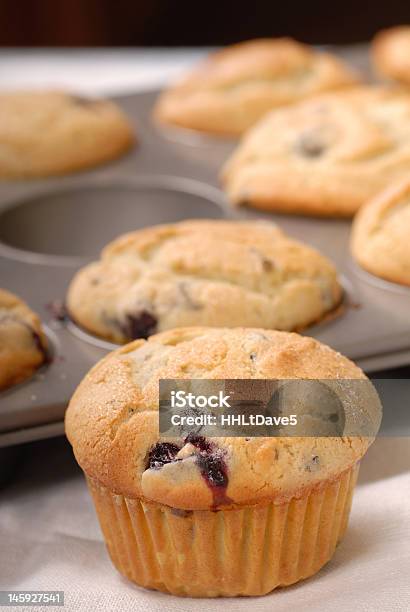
(166,183)
(378,281)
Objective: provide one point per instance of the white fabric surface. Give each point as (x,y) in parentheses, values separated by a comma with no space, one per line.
(50,539)
(99,71)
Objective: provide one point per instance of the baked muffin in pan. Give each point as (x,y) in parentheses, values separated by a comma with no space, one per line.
(326,156)
(380,234)
(23,344)
(234,87)
(391,53)
(43,133)
(202,272)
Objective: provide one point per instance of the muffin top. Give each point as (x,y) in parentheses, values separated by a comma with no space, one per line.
(391,53)
(380,234)
(234,87)
(326,156)
(23,344)
(204,272)
(43,133)
(112,421)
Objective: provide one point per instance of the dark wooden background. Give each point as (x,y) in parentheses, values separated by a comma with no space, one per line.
(71,23)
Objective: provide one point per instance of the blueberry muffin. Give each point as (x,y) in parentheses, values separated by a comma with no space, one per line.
(391,53)
(326,156)
(380,235)
(50,132)
(212,516)
(204,272)
(234,87)
(23,344)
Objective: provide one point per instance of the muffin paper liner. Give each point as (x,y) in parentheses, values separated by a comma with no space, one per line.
(245,551)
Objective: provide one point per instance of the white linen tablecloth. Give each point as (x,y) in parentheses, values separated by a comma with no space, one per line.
(50,539)
(94,71)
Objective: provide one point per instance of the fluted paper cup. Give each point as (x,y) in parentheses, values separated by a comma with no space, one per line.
(250,550)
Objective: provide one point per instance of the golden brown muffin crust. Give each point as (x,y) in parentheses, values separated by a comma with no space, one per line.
(50,132)
(235,86)
(112,419)
(326,156)
(202,272)
(391,53)
(23,344)
(380,234)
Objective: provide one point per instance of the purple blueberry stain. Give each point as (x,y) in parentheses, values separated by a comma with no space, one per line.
(40,346)
(209,459)
(141,325)
(200,442)
(213,470)
(161,454)
(212,465)
(36,338)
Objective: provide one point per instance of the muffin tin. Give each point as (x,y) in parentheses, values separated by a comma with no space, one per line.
(50,228)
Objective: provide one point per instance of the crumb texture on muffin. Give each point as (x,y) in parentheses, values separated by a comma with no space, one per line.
(326,156)
(380,234)
(391,53)
(112,421)
(234,87)
(23,344)
(213,273)
(46,133)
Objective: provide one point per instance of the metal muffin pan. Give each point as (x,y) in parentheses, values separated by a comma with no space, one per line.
(50,228)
